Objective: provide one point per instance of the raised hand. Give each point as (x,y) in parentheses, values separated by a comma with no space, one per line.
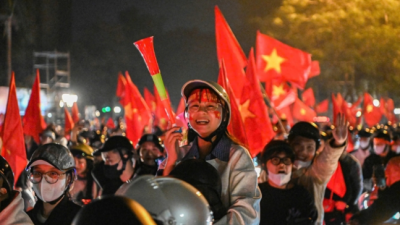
(171,145)
(341,130)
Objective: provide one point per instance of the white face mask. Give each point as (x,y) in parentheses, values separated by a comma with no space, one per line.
(300,164)
(398,149)
(49,192)
(379,149)
(364,144)
(280,178)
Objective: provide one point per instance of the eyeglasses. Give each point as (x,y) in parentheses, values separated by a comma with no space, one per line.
(51,177)
(276,161)
(195,107)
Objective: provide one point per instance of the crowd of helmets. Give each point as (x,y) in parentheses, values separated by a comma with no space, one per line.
(142,197)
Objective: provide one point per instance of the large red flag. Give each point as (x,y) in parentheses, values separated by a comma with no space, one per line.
(33,120)
(13,149)
(285,113)
(229,50)
(301,112)
(121,85)
(236,126)
(143,109)
(150,100)
(280,94)
(69,122)
(372,115)
(75,112)
(308,97)
(350,115)
(134,126)
(254,111)
(337,184)
(322,107)
(281,61)
(315,70)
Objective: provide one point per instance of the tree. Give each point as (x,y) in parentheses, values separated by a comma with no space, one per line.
(354,40)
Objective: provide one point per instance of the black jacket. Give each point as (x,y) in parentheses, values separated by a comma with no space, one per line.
(62,214)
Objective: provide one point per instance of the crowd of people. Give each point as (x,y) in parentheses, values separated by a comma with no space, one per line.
(309,173)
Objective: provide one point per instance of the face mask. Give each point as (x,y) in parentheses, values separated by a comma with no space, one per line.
(111,172)
(398,149)
(280,178)
(379,149)
(301,164)
(364,144)
(49,192)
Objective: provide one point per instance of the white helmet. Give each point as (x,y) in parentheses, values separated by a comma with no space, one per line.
(168,200)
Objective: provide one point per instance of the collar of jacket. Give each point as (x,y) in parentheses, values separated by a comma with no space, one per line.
(221,150)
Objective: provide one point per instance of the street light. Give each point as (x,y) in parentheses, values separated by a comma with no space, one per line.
(69,99)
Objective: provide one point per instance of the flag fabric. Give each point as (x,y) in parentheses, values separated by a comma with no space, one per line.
(349,115)
(75,112)
(315,70)
(284,113)
(308,97)
(69,122)
(161,117)
(121,85)
(254,111)
(280,94)
(301,112)
(110,123)
(387,109)
(337,107)
(33,121)
(150,100)
(276,60)
(337,184)
(134,125)
(356,104)
(229,50)
(372,115)
(322,107)
(144,112)
(236,127)
(12,135)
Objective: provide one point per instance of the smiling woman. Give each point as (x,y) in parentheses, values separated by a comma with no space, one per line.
(208,112)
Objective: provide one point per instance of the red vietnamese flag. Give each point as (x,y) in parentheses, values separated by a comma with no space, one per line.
(12,135)
(382,106)
(33,120)
(181,106)
(315,70)
(308,97)
(372,115)
(150,100)
(229,50)
(390,111)
(69,123)
(236,127)
(337,184)
(322,107)
(134,125)
(301,112)
(285,113)
(276,60)
(121,85)
(356,104)
(143,109)
(110,123)
(280,94)
(337,107)
(254,111)
(75,112)
(351,118)
(161,117)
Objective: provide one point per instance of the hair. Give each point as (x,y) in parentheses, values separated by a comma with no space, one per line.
(275,147)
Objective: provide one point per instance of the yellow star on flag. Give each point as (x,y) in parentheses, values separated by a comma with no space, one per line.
(244,110)
(278,91)
(369,108)
(302,111)
(273,61)
(129,111)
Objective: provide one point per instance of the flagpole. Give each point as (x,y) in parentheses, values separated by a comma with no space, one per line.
(273,109)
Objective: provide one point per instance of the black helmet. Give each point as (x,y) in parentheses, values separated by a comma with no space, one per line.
(205,178)
(56,154)
(383,134)
(151,138)
(104,211)
(305,129)
(275,147)
(191,85)
(116,142)
(364,133)
(7,174)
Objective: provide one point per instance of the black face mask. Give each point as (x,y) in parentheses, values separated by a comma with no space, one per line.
(111,172)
